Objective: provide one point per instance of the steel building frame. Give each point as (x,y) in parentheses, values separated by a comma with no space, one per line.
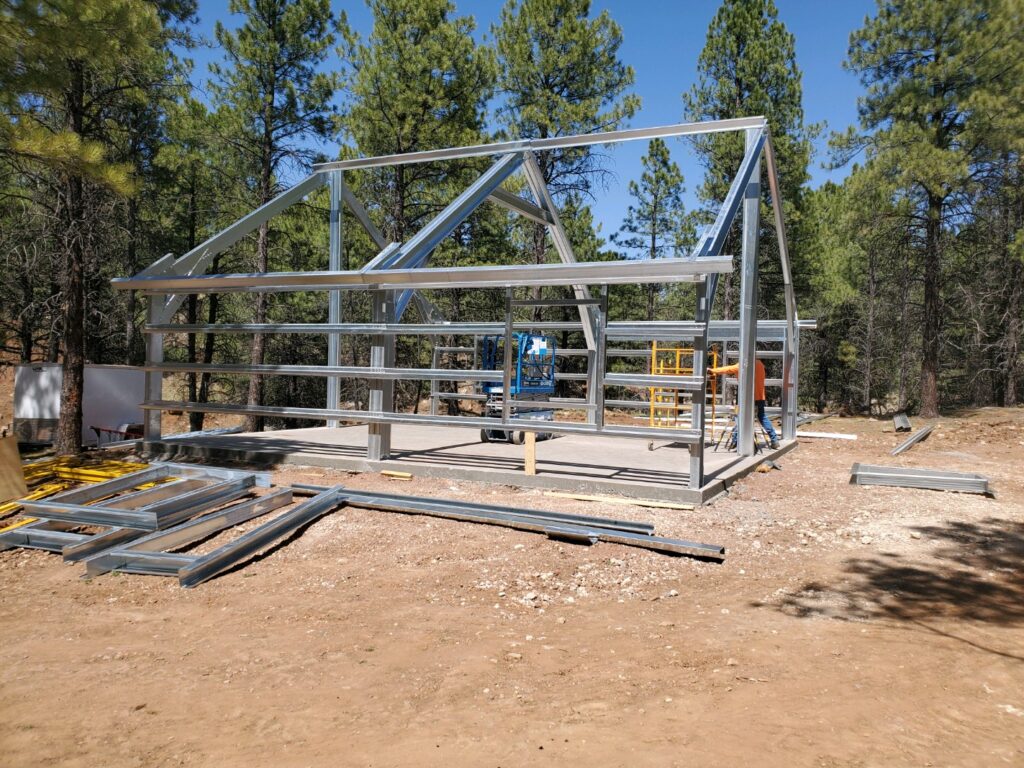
(400,271)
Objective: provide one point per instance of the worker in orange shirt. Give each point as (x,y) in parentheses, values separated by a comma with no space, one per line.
(759,399)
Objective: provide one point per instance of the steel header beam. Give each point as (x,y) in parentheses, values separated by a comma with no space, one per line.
(592,272)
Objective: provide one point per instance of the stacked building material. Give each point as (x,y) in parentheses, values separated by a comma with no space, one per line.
(140,521)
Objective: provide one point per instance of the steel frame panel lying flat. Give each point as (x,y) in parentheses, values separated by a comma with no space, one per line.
(928,479)
(152,554)
(53,536)
(148,509)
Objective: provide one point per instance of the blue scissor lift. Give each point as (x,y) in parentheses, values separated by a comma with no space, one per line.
(533,380)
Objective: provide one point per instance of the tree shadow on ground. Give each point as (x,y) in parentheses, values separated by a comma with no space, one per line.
(975,573)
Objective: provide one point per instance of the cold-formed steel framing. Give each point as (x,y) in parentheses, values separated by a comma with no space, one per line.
(399,273)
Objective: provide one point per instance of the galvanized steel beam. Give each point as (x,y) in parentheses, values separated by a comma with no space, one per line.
(560,142)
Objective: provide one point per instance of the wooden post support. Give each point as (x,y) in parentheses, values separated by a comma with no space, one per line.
(530,454)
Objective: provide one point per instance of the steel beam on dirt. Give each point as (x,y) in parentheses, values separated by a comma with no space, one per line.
(913,440)
(554,525)
(929,479)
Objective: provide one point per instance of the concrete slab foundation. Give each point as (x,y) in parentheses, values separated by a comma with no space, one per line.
(572,462)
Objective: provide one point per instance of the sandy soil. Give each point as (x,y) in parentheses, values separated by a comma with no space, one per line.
(849,626)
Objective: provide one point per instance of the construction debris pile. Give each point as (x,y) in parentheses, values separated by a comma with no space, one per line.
(138,518)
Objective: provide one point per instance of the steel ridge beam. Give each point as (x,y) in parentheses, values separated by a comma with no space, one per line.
(559,142)
(504,276)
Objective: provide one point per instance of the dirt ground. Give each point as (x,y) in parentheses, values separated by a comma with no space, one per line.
(848,626)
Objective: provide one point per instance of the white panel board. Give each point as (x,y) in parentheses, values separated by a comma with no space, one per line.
(111,398)
(37,391)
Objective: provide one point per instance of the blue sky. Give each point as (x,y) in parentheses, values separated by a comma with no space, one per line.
(661,41)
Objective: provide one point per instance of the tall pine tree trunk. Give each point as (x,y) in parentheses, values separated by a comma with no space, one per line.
(255,423)
(932,308)
(1012,334)
(69,430)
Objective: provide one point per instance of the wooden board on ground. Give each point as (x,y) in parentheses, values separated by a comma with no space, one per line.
(12,477)
(618,500)
(396,475)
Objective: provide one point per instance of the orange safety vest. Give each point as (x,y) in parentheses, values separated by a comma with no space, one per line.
(734,370)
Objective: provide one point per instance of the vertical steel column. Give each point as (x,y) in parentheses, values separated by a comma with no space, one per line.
(790,377)
(336,183)
(506,378)
(382,392)
(748,305)
(600,356)
(704,292)
(435,361)
(700,358)
(154,380)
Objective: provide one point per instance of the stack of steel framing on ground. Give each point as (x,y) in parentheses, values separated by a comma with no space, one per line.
(929,479)
(399,274)
(125,507)
(153,554)
(147,517)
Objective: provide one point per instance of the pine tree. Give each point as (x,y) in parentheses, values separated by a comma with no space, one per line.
(560,74)
(944,93)
(650,229)
(748,67)
(67,69)
(419,82)
(273,99)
